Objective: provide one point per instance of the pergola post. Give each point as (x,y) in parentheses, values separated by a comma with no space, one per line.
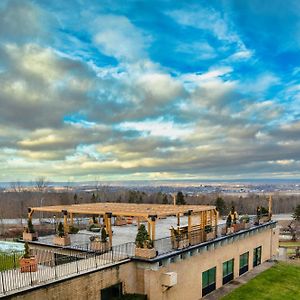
(270,207)
(153,220)
(189,224)
(71,219)
(29,214)
(178,220)
(108,228)
(66,227)
(149,226)
(216,213)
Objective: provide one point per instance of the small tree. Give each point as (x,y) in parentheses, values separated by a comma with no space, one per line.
(296,214)
(27,250)
(180,199)
(142,237)
(61,230)
(165,199)
(228,221)
(30,226)
(220,205)
(103,235)
(75,199)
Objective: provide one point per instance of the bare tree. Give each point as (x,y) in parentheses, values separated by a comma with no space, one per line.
(41,183)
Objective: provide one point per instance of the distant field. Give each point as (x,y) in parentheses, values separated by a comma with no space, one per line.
(279,282)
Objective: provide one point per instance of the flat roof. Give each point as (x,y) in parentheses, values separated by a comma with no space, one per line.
(125,209)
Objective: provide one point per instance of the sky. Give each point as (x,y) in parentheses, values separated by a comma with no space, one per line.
(149,90)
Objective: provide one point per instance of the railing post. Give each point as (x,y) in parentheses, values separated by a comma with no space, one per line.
(15,260)
(2,279)
(76,264)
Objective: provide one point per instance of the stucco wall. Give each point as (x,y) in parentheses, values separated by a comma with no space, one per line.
(86,286)
(189,270)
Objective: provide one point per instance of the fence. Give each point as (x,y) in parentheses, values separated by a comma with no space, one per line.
(53,266)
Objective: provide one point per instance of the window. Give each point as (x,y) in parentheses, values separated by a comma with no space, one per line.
(208,281)
(244,263)
(112,292)
(257,256)
(227,271)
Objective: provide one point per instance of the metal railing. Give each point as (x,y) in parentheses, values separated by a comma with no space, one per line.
(53,266)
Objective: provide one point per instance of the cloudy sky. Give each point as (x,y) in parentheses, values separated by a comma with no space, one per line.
(119,90)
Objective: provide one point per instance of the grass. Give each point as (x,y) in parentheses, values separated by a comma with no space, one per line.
(9,261)
(289,244)
(277,283)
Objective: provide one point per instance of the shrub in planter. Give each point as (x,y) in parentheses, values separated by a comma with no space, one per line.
(28,263)
(62,239)
(100,243)
(209,234)
(244,221)
(29,233)
(144,245)
(73,229)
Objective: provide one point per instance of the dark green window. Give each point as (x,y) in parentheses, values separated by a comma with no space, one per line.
(208,281)
(244,263)
(257,256)
(227,271)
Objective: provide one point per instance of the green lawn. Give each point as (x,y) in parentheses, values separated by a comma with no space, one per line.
(280,282)
(9,261)
(289,244)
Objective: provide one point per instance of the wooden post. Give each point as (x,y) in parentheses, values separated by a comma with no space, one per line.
(71,219)
(270,207)
(108,220)
(153,221)
(174,199)
(178,220)
(149,226)
(30,212)
(66,227)
(138,222)
(189,224)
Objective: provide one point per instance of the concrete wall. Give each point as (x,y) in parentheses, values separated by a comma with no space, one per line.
(85,286)
(189,270)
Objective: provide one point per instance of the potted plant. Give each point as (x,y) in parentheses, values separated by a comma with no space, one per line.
(209,234)
(62,238)
(179,241)
(244,221)
(144,245)
(100,243)
(73,229)
(28,263)
(29,233)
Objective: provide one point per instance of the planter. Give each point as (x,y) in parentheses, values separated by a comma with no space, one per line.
(145,252)
(264,219)
(62,241)
(99,246)
(28,264)
(246,225)
(27,236)
(120,222)
(209,236)
(235,227)
(230,230)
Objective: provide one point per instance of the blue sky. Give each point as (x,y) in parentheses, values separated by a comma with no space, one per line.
(120,90)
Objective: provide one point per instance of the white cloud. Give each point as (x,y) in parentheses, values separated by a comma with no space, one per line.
(117,36)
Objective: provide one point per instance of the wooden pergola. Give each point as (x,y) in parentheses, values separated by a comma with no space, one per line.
(206,215)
